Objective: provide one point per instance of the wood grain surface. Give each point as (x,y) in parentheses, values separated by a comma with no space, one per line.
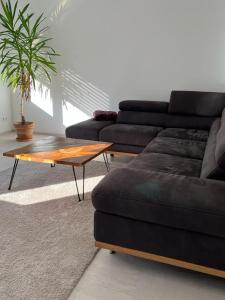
(60,150)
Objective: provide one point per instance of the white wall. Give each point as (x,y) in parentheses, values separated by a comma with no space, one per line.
(129,49)
(5,109)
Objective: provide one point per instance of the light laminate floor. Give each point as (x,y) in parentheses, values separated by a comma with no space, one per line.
(122,277)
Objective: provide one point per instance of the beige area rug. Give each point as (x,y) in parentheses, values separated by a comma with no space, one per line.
(46,236)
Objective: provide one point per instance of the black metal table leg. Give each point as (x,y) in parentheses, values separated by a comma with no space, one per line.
(52,165)
(105,156)
(75,177)
(13,173)
(83,179)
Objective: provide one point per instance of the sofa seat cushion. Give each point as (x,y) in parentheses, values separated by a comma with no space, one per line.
(137,135)
(186,134)
(177,147)
(170,200)
(167,164)
(88,130)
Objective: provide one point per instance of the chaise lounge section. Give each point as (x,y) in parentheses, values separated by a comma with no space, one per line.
(168,203)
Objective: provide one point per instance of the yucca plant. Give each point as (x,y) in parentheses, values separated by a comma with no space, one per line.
(24,49)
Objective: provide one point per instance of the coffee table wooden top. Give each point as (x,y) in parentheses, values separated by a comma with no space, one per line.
(60,150)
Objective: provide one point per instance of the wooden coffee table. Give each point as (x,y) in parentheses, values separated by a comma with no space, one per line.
(60,150)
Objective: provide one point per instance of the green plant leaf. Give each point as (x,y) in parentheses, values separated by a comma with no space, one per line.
(24,48)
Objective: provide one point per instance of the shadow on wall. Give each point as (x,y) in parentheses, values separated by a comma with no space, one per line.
(69,98)
(80,97)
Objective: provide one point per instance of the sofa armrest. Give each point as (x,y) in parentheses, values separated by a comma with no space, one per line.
(88,130)
(171,200)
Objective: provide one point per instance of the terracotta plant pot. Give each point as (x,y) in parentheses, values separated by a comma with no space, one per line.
(24,131)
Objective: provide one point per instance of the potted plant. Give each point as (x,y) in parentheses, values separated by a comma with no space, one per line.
(24,55)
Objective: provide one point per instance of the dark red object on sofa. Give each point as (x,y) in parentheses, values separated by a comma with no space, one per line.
(100,115)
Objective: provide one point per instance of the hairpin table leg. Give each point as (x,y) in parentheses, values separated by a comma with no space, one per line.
(105,156)
(83,179)
(75,178)
(13,173)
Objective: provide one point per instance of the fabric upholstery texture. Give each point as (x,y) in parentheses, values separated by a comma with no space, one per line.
(100,115)
(88,130)
(127,148)
(165,201)
(148,106)
(137,135)
(220,143)
(207,104)
(178,147)
(164,120)
(165,163)
(186,134)
(176,201)
(188,122)
(210,168)
(141,118)
(161,240)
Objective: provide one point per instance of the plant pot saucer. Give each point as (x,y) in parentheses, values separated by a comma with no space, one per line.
(23,140)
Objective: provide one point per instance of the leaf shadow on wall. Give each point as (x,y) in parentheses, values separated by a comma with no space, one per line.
(70,98)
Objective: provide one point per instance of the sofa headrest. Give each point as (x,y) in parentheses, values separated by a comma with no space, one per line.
(144,106)
(205,104)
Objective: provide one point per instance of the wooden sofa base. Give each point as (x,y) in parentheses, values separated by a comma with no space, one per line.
(162,259)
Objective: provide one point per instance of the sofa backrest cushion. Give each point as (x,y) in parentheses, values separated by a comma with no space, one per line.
(141,118)
(210,168)
(144,106)
(205,104)
(220,143)
(188,121)
(164,120)
(155,113)
(143,112)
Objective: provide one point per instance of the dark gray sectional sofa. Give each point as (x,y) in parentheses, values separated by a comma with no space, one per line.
(168,203)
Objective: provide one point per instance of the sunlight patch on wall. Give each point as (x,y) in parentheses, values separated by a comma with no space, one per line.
(82,94)
(41,97)
(60,6)
(72,114)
